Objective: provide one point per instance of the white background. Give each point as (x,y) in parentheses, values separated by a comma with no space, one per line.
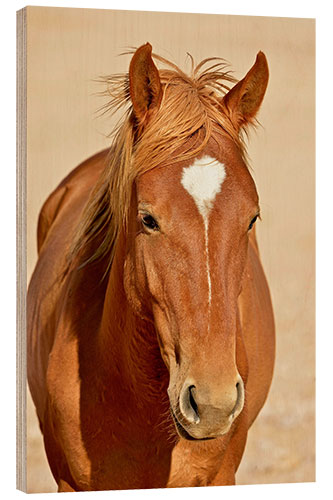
(322,12)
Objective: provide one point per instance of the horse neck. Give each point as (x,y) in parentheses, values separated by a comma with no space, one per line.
(128,344)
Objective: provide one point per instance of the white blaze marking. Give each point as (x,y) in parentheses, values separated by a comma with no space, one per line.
(203,180)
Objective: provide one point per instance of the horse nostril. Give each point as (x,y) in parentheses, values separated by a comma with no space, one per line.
(188,405)
(192,400)
(239,401)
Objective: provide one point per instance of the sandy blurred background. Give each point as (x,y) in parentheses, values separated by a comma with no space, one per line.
(67,50)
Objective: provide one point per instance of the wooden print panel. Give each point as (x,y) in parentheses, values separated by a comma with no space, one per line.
(67,50)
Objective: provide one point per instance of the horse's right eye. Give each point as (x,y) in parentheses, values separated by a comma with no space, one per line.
(149,222)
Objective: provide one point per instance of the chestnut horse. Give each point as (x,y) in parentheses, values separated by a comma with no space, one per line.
(150,325)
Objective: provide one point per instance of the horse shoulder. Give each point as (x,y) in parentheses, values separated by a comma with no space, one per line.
(58,218)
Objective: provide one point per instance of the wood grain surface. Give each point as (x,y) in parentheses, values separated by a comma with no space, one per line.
(67,50)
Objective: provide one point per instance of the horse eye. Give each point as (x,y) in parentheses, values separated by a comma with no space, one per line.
(149,222)
(252,222)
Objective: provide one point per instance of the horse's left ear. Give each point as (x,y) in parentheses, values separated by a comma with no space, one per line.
(244,99)
(145,84)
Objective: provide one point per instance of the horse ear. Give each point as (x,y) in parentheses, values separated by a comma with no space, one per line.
(244,99)
(145,84)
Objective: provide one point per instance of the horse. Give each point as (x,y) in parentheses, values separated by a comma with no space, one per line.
(150,323)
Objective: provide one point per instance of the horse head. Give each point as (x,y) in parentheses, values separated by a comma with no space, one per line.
(189,226)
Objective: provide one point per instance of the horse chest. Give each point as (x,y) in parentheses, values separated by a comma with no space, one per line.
(122,445)
(130,466)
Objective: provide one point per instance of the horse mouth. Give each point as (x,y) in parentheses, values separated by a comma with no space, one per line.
(183,432)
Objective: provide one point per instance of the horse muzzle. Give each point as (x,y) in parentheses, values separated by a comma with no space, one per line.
(203,414)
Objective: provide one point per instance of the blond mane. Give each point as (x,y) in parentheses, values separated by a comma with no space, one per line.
(191,107)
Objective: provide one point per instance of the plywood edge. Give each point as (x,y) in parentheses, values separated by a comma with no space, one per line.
(21,246)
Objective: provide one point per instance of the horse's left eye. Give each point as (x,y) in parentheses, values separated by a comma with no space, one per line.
(252,222)
(149,222)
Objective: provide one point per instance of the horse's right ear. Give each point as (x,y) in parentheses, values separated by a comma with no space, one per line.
(145,84)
